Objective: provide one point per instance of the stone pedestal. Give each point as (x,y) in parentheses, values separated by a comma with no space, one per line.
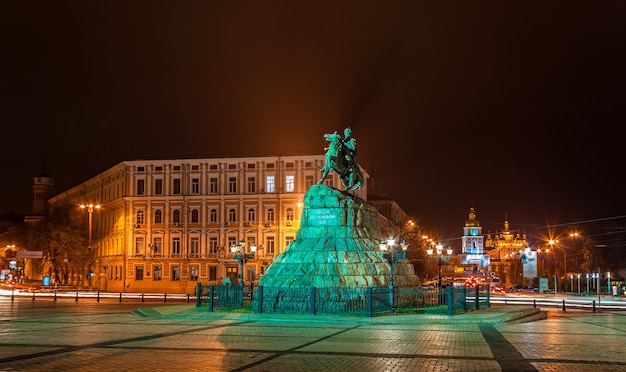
(336,246)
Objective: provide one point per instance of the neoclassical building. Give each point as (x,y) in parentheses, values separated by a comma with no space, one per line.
(164,225)
(505,248)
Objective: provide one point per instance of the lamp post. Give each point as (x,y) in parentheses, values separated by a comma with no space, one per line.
(578,284)
(241,256)
(90,208)
(608,282)
(389,253)
(587,276)
(440,258)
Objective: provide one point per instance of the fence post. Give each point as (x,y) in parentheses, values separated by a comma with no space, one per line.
(594,306)
(55,295)
(563,305)
(33,296)
(534,302)
(449,300)
(198,294)
(211,294)
(312,300)
(76,300)
(164,297)
(187,297)
(98,297)
(477,299)
(488,295)
(464,289)
(120,296)
(142,297)
(259,299)
(368,302)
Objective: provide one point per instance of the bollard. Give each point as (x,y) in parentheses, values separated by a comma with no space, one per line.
(55,295)
(12,295)
(33,296)
(187,297)
(594,306)
(120,296)
(563,305)
(534,302)
(98,297)
(164,297)
(76,300)
(142,297)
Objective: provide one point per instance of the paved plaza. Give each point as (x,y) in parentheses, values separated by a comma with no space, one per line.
(67,336)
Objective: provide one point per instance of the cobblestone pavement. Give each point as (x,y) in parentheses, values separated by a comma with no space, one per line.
(50,336)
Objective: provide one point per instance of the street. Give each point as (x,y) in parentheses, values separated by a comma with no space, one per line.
(47,335)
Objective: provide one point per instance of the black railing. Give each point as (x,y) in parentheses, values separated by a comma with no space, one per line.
(341,301)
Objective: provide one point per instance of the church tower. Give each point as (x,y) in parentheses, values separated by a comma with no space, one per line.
(472,241)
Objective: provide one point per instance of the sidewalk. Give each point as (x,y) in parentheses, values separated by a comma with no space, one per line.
(494,314)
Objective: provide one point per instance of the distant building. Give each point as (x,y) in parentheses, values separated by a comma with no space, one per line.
(472,243)
(164,225)
(505,248)
(43,187)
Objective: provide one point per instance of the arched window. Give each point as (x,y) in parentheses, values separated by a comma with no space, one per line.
(158,216)
(213,216)
(194,216)
(289,214)
(176,216)
(251,215)
(232,215)
(141,216)
(270,215)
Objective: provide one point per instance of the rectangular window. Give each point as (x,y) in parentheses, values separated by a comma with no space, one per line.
(213,245)
(141,187)
(195,185)
(138,246)
(213,185)
(157,272)
(232,185)
(289,184)
(270,245)
(138,272)
(157,243)
(193,272)
(251,185)
(288,241)
(158,187)
(195,167)
(212,272)
(250,272)
(176,186)
(269,184)
(175,272)
(308,181)
(194,247)
(176,246)
(329,182)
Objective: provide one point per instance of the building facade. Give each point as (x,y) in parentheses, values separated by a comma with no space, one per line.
(164,225)
(505,249)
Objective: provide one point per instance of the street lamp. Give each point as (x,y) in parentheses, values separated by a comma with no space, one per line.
(440,257)
(609,282)
(578,284)
(90,208)
(241,256)
(389,253)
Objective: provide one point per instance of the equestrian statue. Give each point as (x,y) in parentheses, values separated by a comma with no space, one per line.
(341,158)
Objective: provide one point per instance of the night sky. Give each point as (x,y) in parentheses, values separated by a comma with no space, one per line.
(516,109)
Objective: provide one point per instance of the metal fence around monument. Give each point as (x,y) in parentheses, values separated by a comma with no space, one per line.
(341,301)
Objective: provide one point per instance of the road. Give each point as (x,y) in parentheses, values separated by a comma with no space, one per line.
(65,335)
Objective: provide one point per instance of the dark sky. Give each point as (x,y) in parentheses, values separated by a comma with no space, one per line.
(518,109)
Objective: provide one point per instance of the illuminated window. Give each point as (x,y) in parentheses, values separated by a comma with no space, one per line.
(289,184)
(157,243)
(175,273)
(138,246)
(193,272)
(269,184)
